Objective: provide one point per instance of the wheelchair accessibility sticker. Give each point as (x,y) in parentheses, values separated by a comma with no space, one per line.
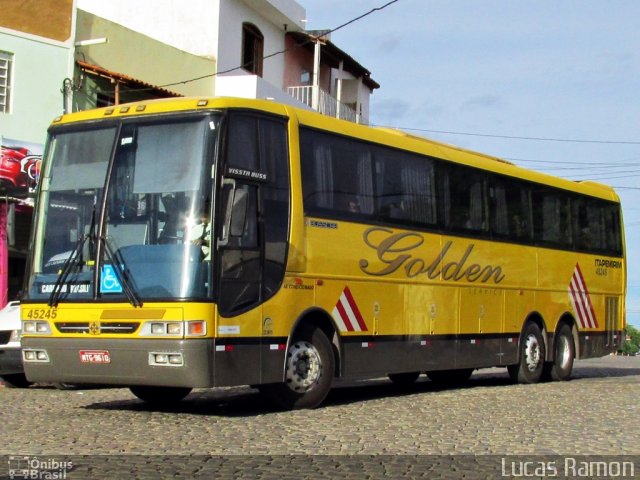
(109,282)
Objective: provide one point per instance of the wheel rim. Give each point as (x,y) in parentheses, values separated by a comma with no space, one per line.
(304,367)
(532,353)
(563,354)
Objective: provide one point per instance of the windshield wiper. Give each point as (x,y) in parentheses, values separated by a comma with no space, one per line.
(121,271)
(73,260)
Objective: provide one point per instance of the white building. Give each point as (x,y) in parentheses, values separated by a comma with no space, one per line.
(256,46)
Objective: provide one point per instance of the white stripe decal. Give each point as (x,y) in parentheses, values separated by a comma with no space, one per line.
(581,300)
(338,318)
(347,315)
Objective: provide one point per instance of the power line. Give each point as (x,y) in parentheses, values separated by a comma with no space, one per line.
(607,178)
(565,162)
(514,137)
(280,52)
(598,169)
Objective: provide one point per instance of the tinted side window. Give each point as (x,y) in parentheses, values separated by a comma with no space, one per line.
(405,187)
(275,201)
(611,223)
(337,175)
(509,209)
(463,199)
(587,224)
(552,216)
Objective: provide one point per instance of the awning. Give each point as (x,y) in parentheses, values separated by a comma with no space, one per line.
(120,78)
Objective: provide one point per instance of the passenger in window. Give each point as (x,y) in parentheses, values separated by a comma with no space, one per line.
(396,210)
(199,233)
(354,206)
(517,226)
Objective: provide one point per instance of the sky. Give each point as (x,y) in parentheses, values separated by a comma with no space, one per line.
(563,75)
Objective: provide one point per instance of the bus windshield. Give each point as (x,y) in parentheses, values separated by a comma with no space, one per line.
(124,212)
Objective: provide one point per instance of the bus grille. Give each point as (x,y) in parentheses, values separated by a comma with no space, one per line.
(105,327)
(73,327)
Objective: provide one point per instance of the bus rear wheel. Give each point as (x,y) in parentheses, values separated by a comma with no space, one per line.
(160,395)
(532,354)
(309,371)
(563,355)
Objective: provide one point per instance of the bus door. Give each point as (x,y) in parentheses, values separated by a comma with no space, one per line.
(253,224)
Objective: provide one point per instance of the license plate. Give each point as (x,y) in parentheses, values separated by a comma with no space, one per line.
(95,356)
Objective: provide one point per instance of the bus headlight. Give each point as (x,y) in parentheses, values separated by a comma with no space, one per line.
(158,329)
(172,359)
(173,329)
(36,327)
(32,355)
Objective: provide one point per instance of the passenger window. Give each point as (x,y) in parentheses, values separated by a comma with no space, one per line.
(242,151)
(406,187)
(337,175)
(464,199)
(553,226)
(509,209)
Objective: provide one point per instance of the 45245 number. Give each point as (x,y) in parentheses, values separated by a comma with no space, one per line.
(41,314)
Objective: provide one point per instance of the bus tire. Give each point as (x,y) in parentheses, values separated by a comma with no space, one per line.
(563,354)
(404,379)
(450,377)
(532,354)
(16,380)
(160,395)
(309,371)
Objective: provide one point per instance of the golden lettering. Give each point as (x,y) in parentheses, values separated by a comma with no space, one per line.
(396,250)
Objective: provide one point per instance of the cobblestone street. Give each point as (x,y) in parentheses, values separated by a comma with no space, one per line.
(596,413)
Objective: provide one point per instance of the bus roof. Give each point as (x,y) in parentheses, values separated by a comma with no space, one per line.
(381,135)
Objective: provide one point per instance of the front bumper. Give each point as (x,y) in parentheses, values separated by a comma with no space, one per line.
(128,363)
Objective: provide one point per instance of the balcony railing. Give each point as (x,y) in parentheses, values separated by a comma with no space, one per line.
(327,104)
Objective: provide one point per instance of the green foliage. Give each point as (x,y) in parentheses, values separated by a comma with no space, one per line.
(632,344)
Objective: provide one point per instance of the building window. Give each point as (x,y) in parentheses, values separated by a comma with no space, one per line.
(252,49)
(105,100)
(305,77)
(6,61)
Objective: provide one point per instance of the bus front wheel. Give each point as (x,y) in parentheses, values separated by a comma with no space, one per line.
(532,354)
(309,371)
(160,395)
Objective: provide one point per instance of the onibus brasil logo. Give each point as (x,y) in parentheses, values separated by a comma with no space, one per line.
(38,468)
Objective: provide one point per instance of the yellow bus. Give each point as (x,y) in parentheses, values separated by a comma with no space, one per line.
(322,250)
